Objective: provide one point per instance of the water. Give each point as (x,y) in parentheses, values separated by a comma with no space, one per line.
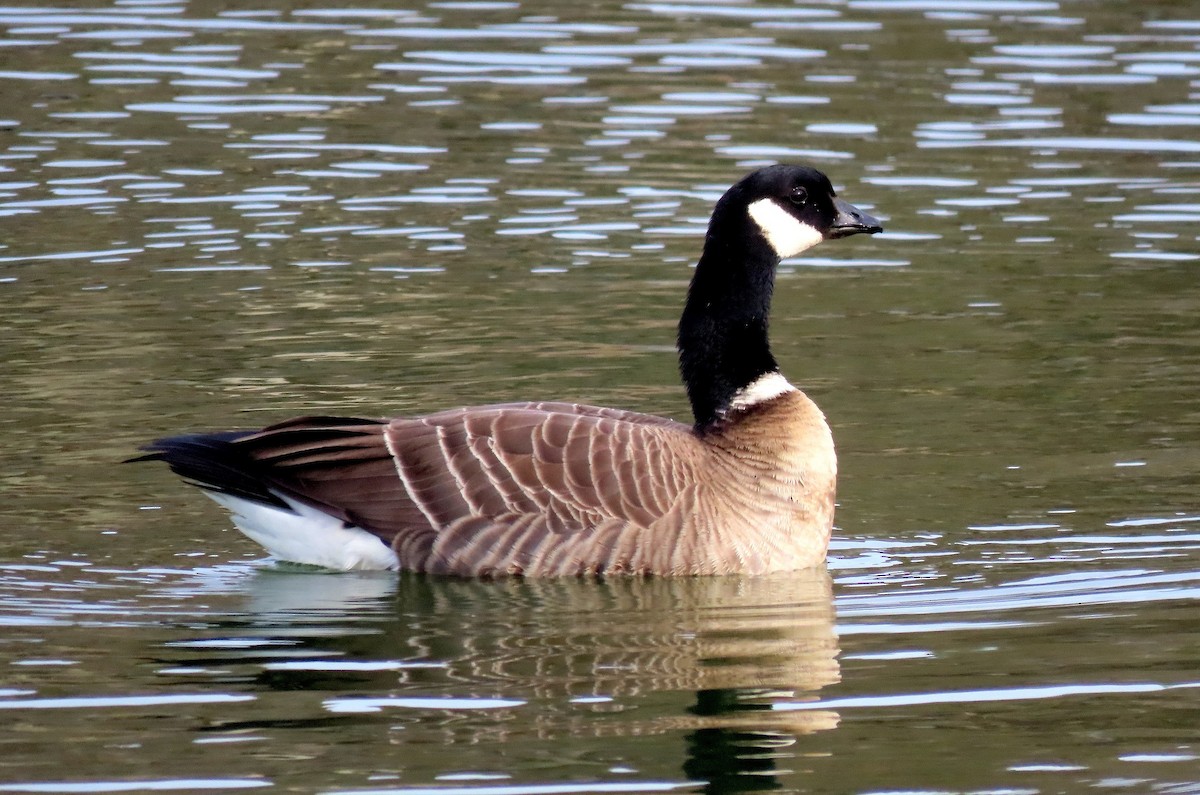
(220,216)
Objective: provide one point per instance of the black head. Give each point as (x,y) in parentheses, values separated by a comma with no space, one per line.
(769,214)
(793,208)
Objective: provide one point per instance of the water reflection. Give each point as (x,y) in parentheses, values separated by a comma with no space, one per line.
(723,649)
(535,639)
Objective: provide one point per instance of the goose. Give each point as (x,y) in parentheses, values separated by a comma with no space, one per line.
(555,488)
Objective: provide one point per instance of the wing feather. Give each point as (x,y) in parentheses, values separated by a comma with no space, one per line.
(523,487)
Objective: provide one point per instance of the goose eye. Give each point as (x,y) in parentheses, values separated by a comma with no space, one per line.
(798,196)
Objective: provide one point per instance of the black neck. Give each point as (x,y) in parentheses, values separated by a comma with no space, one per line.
(723,344)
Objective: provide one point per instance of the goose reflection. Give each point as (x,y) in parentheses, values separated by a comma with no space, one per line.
(704,658)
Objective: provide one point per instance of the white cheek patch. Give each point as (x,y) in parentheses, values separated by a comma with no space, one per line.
(787,235)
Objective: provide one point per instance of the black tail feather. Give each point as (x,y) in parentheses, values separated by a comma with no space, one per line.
(214,462)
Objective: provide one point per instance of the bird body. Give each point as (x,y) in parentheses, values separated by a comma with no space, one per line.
(549,489)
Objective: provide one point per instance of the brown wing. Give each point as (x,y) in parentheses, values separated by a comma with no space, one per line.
(535,488)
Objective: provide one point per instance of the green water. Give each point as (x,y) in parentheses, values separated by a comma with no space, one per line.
(220,215)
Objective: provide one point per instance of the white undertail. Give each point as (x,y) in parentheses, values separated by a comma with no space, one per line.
(306,535)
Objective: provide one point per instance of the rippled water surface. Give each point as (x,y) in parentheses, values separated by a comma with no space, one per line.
(219,214)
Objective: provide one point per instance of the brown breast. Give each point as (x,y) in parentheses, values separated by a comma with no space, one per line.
(770,497)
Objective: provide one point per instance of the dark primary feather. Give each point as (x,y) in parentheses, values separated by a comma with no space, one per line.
(214,462)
